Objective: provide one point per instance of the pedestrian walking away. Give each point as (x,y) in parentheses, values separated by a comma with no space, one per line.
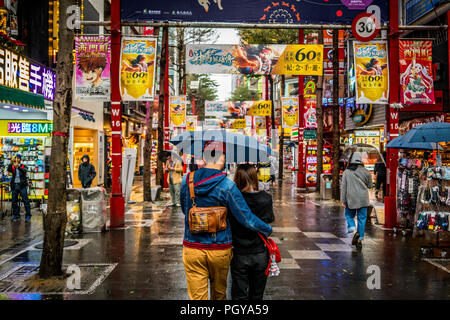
(207,256)
(175,173)
(86,172)
(356,182)
(380,174)
(250,256)
(19,185)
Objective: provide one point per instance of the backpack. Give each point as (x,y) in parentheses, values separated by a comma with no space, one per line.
(274,252)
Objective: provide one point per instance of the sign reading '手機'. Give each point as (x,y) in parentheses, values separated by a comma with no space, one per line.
(20,72)
(30,127)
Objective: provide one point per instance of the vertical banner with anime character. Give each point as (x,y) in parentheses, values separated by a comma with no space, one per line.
(177,111)
(92,72)
(290,107)
(191,123)
(416,74)
(310,111)
(137,68)
(372,72)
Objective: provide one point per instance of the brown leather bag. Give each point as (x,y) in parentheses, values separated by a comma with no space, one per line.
(205,219)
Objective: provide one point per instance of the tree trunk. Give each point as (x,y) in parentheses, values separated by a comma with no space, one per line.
(319,115)
(162,70)
(181,57)
(56,217)
(147,185)
(281,142)
(336,142)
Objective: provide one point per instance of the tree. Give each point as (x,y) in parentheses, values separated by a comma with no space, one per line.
(207,91)
(56,216)
(267,36)
(243,93)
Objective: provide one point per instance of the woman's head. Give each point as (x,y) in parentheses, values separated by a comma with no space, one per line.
(246,177)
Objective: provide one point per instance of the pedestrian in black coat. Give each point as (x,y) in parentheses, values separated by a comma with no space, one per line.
(19,186)
(86,172)
(250,256)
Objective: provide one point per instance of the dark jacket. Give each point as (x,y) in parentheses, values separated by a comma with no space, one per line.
(246,241)
(380,168)
(22,174)
(212,188)
(86,172)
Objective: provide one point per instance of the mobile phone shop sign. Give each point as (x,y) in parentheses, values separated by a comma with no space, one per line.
(30,128)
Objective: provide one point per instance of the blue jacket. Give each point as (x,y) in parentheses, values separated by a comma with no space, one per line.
(212,188)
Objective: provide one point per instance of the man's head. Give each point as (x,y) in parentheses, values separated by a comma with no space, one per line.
(214,154)
(17,159)
(85,158)
(92,67)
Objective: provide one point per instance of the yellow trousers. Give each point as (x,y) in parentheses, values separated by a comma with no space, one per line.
(202,266)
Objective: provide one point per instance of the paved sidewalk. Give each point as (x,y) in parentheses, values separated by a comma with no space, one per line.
(143,260)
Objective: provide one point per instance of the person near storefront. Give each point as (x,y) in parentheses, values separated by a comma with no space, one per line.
(175,175)
(206,256)
(356,182)
(19,185)
(380,175)
(86,172)
(250,256)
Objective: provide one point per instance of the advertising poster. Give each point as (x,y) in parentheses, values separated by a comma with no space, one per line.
(310,111)
(237,109)
(328,60)
(137,68)
(290,107)
(177,111)
(372,72)
(233,123)
(252,11)
(260,122)
(93,62)
(416,74)
(191,123)
(254,59)
(311,165)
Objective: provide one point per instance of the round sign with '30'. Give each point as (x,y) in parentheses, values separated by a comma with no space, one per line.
(365,27)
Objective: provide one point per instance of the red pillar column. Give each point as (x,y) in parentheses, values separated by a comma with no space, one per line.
(390,205)
(166,104)
(301,166)
(117,203)
(448,43)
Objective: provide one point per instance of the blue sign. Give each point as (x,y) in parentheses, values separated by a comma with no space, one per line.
(417,8)
(249,11)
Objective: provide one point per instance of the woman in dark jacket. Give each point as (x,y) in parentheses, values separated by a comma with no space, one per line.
(250,256)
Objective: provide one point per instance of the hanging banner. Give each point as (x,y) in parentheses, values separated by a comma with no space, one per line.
(416,73)
(233,123)
(254,59)
(260,122)
(310,111)
(177,111)
(372,72)
(290,107)
(93,61)
(251,11)
(237,109)
(191,123)
(137,68)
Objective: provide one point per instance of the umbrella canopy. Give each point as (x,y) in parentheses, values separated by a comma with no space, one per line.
(431,132)
(369,153)
(239,148)
(404,142)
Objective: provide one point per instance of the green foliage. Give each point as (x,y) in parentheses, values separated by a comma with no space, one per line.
(269,36)
(207,91)
(243,93)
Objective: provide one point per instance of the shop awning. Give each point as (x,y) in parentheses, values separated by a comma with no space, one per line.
(21,98)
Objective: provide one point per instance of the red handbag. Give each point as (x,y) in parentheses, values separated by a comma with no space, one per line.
(273,250)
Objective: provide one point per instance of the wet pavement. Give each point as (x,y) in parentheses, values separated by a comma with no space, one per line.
(144,260)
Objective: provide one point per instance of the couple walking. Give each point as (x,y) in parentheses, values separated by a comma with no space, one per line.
(208,256)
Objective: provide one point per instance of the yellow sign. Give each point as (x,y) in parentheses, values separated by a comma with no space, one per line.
(372,72)
(137,69)
(290,112)
(191,123)
(239,124)
(300,60)
(260,108)
(177,108)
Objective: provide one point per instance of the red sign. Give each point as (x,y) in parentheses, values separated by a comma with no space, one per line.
(416,73)
(365,27)
(328,60)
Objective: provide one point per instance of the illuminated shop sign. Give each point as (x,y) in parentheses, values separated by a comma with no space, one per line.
(19,72)
(30,127)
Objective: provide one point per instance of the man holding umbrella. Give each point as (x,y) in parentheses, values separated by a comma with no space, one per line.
(207,256)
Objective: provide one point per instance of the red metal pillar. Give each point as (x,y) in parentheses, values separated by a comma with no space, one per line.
(117,203)
(301,166)
(266,97)
(390,205)
(448,44)
(166,104)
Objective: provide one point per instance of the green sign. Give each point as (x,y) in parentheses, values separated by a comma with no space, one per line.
(310,135)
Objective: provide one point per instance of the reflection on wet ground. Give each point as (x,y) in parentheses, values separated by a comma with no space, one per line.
(318,259)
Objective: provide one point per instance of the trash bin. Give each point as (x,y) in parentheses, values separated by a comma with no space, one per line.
(93,209)
(73,206)
(325,187)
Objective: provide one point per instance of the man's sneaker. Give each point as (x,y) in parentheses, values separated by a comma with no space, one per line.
(355,239)
(27,218)
(359,245)
(15,218)
(350,230)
